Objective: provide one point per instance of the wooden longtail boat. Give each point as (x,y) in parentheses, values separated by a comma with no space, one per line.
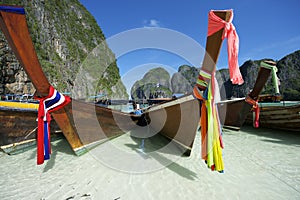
(76,120)
(18,122)
(278,115)
(179,119)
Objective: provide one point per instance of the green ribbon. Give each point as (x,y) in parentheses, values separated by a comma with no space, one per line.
(274,75)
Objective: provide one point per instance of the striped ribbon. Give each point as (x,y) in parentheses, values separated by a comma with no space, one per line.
(203,79)
(54,101)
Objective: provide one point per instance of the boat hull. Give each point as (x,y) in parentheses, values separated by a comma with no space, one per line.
(284,117)
(233,113)
(93,123)
(18,124)
(179,119)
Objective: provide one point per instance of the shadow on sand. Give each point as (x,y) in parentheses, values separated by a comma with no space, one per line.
(159,147)
(59,145)
(274,135)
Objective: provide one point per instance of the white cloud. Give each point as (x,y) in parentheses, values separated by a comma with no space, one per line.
(151,23)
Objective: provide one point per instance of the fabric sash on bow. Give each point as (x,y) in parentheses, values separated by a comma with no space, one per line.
(54,101)
(256,110)
(215,24)
(211,132)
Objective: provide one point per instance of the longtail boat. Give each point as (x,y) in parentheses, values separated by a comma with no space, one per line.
(113,123)
(179,119)
(274,113)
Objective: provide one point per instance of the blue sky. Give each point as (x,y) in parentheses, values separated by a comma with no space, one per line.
(266,28)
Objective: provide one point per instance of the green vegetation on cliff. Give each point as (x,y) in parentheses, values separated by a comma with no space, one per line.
(64,33)
(154,84)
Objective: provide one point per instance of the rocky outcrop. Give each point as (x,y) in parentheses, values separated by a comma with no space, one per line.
(289,75)
(184,80)
(154,84)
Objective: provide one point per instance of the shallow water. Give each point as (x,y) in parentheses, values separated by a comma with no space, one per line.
(259,164)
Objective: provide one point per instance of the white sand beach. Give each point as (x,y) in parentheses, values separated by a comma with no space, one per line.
(259,164)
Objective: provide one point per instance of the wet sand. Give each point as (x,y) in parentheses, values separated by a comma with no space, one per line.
(259,164)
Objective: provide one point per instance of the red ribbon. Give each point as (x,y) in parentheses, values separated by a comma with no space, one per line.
(256,110)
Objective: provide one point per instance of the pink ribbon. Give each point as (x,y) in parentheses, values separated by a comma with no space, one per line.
(215,24)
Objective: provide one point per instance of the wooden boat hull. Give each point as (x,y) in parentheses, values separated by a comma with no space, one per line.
(93,123)
(233,113)
(19,124)
(179,119)
(278,117)
(96,124)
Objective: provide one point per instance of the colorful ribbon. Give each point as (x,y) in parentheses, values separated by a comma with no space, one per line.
(211,132)
(215,23)
(54,101)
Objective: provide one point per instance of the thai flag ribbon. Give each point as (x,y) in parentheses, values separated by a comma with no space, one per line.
(54,101)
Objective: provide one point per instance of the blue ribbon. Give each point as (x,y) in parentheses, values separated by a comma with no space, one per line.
(46,141)
(18,10)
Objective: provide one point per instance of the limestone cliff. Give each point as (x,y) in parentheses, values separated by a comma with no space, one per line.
(65,35)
